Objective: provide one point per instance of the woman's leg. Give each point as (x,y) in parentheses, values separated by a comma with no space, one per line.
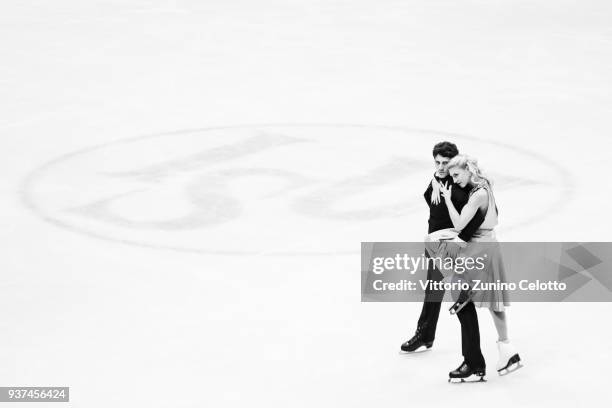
(508,355)
(499,318)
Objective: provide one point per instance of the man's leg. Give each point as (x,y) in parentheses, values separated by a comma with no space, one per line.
(470,337)
(431,306)
(428,320)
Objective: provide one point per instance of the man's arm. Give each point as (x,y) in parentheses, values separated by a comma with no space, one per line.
(427,194)
(460,198)
(470,229)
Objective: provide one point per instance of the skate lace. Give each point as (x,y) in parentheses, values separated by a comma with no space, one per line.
(417,334)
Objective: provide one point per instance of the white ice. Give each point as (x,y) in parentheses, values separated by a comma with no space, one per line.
(152,315)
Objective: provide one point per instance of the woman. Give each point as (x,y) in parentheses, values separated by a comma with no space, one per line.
(465,172)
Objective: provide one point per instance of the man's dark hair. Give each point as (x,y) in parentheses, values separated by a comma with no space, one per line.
(445,149)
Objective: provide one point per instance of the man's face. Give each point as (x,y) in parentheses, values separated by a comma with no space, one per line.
(441,163)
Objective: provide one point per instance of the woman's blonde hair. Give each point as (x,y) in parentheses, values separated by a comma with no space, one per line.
(470,164)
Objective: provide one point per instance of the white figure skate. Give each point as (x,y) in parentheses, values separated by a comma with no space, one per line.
(509,360)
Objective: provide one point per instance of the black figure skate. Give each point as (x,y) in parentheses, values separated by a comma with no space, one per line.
(417,342)
(465,373)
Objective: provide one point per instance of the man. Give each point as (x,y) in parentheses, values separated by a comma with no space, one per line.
(439,219)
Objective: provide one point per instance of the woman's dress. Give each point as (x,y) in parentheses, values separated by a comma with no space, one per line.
(484,249)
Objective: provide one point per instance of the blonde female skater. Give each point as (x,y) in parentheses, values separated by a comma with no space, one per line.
(465,172)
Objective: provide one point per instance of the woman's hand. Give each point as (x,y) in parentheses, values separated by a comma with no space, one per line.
(446,190)
(452,249)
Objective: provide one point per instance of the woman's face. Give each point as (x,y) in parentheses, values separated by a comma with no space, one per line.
(460,176)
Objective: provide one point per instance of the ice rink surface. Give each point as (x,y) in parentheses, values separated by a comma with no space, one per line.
(185,186)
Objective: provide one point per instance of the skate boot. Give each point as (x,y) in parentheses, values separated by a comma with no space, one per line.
(509,360)
(417,342)
(465,373)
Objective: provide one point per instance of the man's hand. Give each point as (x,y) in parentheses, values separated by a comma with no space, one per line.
(435,192)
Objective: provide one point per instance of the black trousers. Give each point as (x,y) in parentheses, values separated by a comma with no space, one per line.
(468,318)
(428,320)
(470,336)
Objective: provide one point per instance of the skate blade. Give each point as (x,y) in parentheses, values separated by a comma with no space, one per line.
(513,364)
(422,349)
(456,309)
(510,369)
(470,379)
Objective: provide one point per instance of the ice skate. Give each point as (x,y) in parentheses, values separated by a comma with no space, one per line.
(509,360)
(460,304)
(416,343)
(465,373)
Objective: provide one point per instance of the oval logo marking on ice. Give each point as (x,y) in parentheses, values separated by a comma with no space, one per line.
(272,189)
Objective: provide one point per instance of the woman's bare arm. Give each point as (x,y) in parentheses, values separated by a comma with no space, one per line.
(476,201)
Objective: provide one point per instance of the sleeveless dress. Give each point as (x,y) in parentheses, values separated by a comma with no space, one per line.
(483,246)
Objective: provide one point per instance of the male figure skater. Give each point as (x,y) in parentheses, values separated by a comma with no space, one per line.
(439,219)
